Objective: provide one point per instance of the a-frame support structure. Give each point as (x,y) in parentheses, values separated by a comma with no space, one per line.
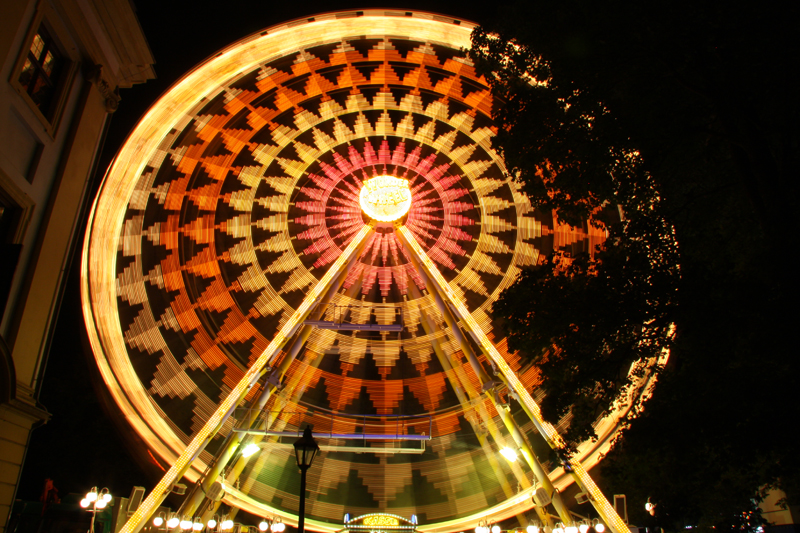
(458,320)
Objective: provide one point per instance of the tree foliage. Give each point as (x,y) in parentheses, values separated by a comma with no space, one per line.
(682,114)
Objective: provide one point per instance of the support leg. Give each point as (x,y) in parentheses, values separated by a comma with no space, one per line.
(225,409)
(553,439)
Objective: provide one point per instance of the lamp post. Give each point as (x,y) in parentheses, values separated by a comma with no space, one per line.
(97,501)
(305,449)
(487,526)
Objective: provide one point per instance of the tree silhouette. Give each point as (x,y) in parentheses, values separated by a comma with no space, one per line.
(682,114)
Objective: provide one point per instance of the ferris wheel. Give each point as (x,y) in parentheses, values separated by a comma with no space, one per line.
(309,229)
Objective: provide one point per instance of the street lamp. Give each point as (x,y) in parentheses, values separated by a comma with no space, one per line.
(305,449)
(487,526)
(275,525)
(98,501)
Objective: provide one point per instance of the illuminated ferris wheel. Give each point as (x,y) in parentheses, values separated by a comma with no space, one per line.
(309,229)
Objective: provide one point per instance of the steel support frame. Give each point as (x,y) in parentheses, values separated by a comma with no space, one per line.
(548,432)
(488,386)
(239,392)
(272,384)
(466,397)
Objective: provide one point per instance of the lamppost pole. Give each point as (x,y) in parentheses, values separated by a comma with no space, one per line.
(98,501)
(305,449)
(301,526)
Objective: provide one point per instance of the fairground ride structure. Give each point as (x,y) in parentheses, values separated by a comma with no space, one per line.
(310,228)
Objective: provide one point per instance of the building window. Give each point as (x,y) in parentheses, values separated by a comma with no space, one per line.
(15,214)
(41,70)
(45,68)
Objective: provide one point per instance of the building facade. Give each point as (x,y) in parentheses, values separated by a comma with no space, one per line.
(63,63)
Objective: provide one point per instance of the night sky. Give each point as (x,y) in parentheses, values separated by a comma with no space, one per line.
(83,444)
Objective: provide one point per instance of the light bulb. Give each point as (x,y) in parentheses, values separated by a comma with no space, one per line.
(92,496)
(250,449)
(495,529)
(385,198)
(227,524)
(583,528)
(211,524)
(264,525)
(186,524)
(509,454)
(85,503)
(197,526)
(281,527)
(571,529)
(107,497)
(157,521)
(533,529)
(600,527)
(100,504)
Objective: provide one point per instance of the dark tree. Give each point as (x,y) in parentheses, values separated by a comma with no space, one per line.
(683,114)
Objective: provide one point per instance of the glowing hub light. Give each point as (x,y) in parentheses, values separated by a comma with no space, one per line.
(509,454)
(250,449)
(385,198)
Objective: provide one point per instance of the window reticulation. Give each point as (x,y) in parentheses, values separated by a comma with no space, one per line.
(40,71)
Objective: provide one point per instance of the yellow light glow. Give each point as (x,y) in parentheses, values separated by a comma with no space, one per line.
(385,198)
(250,449)
(509,454)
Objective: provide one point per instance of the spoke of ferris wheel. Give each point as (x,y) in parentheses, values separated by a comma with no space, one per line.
(226,407)
(551,436)
(488,387)
(482,424)
(196,496)
(288,394)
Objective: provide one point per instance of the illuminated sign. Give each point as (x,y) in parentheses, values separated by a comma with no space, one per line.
(381,520)
(385,198)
